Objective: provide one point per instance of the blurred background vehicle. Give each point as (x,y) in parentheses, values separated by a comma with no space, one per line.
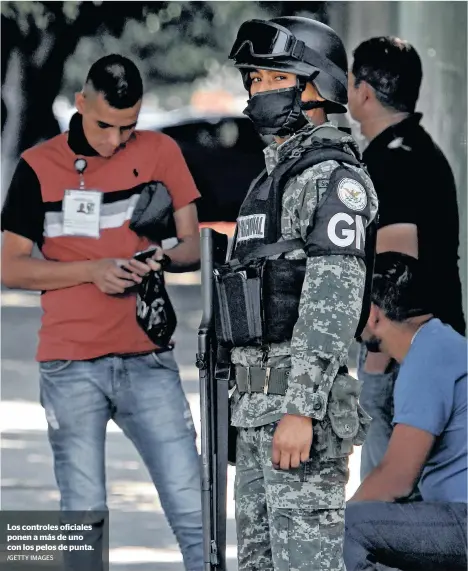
(224,153)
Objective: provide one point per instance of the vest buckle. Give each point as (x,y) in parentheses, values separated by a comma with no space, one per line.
(296,153)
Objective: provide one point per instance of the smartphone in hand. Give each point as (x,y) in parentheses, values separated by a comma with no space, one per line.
(145,254)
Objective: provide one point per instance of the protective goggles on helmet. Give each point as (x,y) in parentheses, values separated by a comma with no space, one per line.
(266,39)
(270,40)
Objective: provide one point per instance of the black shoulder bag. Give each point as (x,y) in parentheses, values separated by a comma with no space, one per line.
(153,219)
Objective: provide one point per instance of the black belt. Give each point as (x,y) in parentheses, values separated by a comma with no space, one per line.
(266,379)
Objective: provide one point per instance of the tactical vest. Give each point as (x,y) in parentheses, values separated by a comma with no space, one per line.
(256,298)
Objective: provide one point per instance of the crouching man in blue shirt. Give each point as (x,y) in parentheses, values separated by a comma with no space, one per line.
(429,439)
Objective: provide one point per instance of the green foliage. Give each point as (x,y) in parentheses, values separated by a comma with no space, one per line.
(171,45)
(174,44)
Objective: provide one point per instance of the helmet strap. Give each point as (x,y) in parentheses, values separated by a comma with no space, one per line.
(301,85)
(313,105)
(246,80)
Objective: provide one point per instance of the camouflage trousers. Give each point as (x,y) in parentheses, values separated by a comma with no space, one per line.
(287,520)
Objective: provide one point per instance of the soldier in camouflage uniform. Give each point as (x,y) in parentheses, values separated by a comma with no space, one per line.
(293,444)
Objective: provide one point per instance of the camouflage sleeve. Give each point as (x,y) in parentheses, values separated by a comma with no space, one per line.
(329,313)
(328,317)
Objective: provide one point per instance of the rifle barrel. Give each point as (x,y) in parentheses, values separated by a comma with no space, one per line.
(207,277)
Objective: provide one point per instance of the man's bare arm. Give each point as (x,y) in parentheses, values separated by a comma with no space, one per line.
(402,238)
(397,474)
(186,255)
(20,270)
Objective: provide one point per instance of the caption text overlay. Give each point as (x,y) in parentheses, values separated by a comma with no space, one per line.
(53,540)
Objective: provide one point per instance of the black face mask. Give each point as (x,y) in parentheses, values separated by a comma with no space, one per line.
(279,112)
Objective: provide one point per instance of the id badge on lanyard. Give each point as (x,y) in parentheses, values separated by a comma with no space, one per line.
(82,208)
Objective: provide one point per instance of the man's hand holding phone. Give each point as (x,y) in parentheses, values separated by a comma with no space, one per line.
(145,261)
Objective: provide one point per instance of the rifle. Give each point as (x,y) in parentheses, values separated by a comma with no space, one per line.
(214,404)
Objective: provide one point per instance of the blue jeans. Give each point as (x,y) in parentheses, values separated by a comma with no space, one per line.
(377,400)
(412,536)
(144,396)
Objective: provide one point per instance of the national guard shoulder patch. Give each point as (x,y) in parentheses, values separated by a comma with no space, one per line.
(352,194)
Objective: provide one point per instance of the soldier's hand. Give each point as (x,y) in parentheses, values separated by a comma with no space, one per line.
(292,441)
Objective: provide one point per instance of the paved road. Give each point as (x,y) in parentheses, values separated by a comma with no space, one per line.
(140,539)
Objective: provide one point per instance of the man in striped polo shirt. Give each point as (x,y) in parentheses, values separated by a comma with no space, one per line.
(74,196)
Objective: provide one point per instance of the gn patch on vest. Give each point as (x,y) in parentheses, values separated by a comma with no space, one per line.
(336,228)
(344,230)
(250,227)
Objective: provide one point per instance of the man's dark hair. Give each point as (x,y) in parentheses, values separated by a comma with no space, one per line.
(393,68)
(118,79)
(397,286)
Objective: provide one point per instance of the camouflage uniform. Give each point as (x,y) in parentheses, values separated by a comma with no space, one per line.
(294,520)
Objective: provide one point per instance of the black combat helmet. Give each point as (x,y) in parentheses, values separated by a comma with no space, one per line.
(305,47)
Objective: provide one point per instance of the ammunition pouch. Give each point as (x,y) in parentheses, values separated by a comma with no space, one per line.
(238,305)
(346,423)
(256,300)
(257,303)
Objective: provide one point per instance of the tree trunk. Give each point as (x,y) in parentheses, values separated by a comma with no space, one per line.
(42,58)
(41,84)
(38,122)
(10,38)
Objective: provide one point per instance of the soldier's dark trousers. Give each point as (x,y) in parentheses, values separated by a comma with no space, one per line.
(287,520)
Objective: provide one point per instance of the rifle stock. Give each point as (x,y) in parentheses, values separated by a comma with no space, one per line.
(213,404)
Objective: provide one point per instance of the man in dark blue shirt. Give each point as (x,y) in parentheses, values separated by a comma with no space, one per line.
(428,446)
